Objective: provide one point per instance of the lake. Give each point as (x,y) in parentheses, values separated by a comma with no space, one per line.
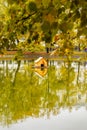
(48,98)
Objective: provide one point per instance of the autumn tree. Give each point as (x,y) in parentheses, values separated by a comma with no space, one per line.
(26,22)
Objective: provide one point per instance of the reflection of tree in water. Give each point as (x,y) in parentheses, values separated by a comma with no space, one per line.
(31,98)
(18,67)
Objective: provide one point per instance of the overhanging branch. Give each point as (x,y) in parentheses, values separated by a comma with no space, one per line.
(25,18)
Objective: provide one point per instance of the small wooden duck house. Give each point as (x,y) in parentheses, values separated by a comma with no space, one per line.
(40,63)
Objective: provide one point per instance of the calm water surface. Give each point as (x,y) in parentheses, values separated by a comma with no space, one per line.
(43,99)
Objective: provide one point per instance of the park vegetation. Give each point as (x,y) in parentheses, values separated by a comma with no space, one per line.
(24,24)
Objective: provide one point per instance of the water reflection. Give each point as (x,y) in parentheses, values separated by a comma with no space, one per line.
(25,94)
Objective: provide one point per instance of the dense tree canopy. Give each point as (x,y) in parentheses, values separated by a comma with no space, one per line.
(26,22)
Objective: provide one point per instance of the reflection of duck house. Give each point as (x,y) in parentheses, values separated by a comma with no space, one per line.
(41,72)
(41,63)
(41,66)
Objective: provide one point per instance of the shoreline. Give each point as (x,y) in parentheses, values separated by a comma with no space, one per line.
(75,56)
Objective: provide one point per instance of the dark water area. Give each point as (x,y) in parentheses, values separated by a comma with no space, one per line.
(53,97)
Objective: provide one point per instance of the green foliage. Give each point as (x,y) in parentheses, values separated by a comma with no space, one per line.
(12,1)
(24,29)
(57,3)
(66,26)
(32,6)
(83,17)
(1,25)
(47,37)
(46,3)
(54,25)
(45,26)
(31,47)
(23,17)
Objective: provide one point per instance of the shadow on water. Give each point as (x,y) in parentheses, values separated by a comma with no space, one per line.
(35,92)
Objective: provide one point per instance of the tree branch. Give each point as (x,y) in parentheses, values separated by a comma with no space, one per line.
(25,18)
